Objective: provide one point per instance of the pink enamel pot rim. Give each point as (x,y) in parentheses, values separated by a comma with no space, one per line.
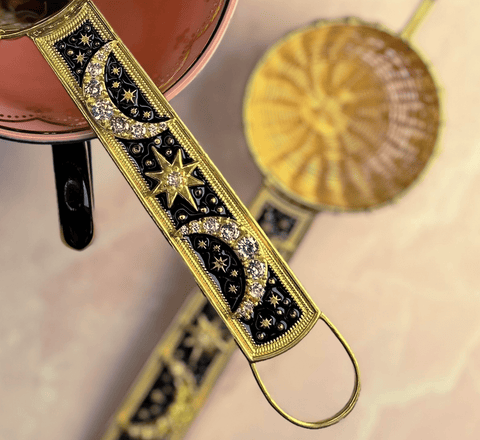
(198,50)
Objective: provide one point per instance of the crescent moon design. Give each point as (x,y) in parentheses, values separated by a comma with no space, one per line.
(101,107)
(247,250)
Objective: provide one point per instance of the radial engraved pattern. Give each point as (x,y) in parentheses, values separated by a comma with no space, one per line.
(342,114)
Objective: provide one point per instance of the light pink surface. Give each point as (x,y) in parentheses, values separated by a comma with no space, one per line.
(401,283)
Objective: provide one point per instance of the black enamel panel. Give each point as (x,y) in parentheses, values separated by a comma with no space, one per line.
(158,400)
(275,315)
(126,95)
(223,265)
(76,53)
(206,199)
(276,223)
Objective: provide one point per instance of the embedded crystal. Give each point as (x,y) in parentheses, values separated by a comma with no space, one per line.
(94,69)
(102,111)
(211,225)
(257,290)
(246,309)
(247,247)
(195,227)
(229,231)
(184,230)
(93,88)
(119,125)
(138,130)
(175,179)
(256,269)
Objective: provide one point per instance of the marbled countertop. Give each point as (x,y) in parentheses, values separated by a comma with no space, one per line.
(401,282)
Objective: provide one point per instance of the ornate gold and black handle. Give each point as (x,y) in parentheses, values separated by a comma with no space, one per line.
(229,255)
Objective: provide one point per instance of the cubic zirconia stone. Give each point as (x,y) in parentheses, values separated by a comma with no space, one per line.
(229,232)
(154,130)
(100,55)
(138,130)
(195,227)
(94,69)
(93,88)
(246,309)
(256,269)
(119,125)
(247,247)
(175,179)
(102,111)
(257,290)
(162,126)
(211,225)
(184,230)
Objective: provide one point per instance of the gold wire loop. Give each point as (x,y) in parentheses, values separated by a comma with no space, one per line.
(330,420)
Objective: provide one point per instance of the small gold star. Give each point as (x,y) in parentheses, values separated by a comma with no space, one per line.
(274,300)
(216,248)
(147,114)
(220,264)
(116,84)
(116,71)
(232,289)
(128,95)
(174,179)
(80,58)
(234,273)
(266,323)
(134,111)
(202,244)
(85,39)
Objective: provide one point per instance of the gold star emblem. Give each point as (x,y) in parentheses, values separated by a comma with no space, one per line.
(202,244)
(85,39)
(116,84)
(205,337)
(233,289)
(116,71)
(129,95)
(80,58)
(274,300)
(266,323)
(216,248)
(220,264)
(174,179)
(234,273)
(147,114)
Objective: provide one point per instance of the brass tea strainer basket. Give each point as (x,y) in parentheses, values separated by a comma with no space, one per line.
(343,114)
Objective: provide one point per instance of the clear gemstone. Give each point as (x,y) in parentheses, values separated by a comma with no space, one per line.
(184,230)
(93,88)
(247,247)
(246,309)
(162,126)
(211,225)
(256,269)
(195,227)
(94,69)
(154,130)
(230,231)
(257,290)
(100,55)
(119,125)
(175,179)
(138,130)
(102,111)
